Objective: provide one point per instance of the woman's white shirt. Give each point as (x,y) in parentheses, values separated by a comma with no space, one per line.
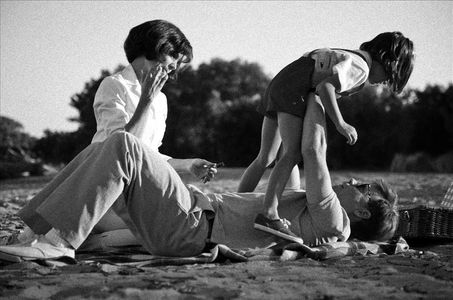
(115,103)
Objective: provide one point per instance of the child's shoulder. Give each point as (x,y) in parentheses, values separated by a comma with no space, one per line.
(339,54)
(359,57)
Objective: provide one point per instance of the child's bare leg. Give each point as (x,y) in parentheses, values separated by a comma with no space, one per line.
(290,128)
(270,143)
(294,179)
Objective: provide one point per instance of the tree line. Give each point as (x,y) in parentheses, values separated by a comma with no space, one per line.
(212,114)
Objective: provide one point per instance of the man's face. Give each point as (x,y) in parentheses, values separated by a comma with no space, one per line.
(353,195)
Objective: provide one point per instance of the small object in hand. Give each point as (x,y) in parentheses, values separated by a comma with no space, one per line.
(219,164)
(206,178)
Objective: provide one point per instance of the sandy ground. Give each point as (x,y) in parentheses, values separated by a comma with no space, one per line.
(425,272)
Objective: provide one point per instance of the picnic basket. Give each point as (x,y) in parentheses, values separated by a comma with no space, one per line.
(428,222)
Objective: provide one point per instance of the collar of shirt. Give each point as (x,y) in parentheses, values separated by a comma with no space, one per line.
(129,76)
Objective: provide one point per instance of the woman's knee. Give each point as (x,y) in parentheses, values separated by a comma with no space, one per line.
(121,139)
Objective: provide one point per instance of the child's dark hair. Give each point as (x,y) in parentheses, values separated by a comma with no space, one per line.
(396,53)
(383,222)
(156,38)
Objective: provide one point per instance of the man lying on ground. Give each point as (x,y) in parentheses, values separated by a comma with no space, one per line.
(172,219)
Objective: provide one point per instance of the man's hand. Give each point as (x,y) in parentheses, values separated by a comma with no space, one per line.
(152,82)
(348,132)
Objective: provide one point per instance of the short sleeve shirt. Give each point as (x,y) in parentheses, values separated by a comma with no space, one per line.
(351,68)
(115,103)
(318,223)
(323,222)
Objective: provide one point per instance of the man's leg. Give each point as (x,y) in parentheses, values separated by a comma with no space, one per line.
(314,147)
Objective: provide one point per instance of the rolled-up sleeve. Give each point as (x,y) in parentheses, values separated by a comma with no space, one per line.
(324,222)
(109,107)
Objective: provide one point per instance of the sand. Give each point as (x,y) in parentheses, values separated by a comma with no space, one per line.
(424,272)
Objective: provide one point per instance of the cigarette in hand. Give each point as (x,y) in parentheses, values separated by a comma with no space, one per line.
(206,178)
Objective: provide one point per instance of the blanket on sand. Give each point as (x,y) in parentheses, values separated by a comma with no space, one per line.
(221,253)
(137,256)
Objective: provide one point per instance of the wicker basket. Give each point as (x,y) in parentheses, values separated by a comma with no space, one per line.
(426,222)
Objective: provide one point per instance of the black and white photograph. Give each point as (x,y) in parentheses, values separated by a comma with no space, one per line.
(226,149)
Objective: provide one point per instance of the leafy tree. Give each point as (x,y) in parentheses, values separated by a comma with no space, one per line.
(83,102)
(14,143)
(375,115)
(237,133)
(417,121)
(61,147)
(212,114)
(209,105)
(232,79)
(433,112)
(16,155)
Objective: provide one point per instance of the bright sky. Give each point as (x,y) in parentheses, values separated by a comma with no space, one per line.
(49,49)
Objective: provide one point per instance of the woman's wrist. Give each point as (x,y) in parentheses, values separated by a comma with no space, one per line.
(145,99)
(181,165)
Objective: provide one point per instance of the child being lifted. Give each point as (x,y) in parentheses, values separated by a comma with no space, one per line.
(329,73)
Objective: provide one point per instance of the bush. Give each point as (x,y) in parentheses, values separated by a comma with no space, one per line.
(20,169)
(61,147)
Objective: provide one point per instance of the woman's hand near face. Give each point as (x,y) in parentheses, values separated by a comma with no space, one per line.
(152,83)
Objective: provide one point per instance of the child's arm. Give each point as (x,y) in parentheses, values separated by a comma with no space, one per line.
(326,90)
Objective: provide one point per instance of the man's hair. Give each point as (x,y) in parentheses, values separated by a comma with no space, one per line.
(156,38)
(396,53)
(383,221)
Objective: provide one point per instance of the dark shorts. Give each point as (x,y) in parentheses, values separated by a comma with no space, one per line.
(288,90)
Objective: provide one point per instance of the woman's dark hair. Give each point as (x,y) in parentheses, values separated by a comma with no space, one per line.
(383,222)
(156,38)
(396,53)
